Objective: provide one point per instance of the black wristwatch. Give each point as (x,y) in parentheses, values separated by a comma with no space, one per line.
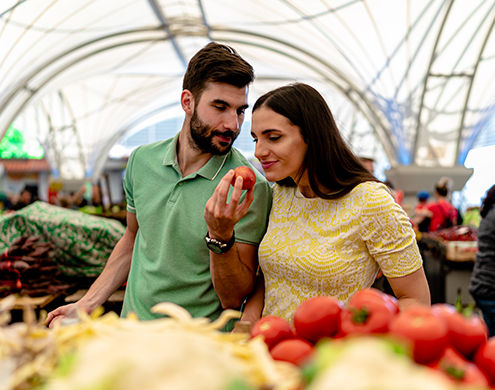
(217,246)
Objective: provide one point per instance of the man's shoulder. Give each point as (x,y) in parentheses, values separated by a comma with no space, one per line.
(157,146)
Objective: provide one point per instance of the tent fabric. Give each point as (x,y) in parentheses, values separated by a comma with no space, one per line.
(411,81)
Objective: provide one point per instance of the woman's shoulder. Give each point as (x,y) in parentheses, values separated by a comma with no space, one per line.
(370,187)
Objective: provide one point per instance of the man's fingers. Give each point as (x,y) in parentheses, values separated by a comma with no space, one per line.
(55,321)
(222,190)
(243,207)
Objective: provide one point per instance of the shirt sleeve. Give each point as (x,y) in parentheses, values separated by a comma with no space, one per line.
(251,228)
(388,233)
(129,195)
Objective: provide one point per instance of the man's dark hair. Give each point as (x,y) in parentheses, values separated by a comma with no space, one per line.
(218,63)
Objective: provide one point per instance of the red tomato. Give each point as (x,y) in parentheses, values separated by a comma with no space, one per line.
(368,311)
(273,329)
(485,359)
(317,318)
(459,370)
(425,331)
(296,351)
(466,331)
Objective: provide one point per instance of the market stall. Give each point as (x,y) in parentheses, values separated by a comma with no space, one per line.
(448,257)
(50,252)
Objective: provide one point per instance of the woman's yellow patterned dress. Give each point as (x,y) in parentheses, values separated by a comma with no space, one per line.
(315,246)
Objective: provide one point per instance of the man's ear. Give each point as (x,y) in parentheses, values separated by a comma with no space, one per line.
(187,101)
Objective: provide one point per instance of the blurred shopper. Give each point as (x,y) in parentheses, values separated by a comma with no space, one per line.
(442,213)
(472,217)
(422,216)
(28,195)
(368,163)
(482,286)
(169,253)
(332,225)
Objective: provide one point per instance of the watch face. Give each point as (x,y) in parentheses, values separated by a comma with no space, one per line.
(215,248)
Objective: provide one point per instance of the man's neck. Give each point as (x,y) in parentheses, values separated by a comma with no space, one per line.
(190,159)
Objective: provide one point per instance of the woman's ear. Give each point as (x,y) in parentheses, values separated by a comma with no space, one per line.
(187,101)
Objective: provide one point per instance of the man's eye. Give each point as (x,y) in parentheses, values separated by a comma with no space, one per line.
(274,138)
(255,140)
(220,108)
(241,112)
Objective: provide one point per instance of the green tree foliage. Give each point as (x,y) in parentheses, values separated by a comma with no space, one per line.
(15,145)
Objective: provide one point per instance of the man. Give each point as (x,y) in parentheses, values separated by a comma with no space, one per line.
(172,249)
(368,163)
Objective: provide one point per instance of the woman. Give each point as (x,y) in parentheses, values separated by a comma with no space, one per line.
(333,225)
(482,286)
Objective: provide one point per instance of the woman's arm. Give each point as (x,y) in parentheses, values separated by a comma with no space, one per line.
(253,307)
(411,289)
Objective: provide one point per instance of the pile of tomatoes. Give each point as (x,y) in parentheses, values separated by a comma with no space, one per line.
(443,337)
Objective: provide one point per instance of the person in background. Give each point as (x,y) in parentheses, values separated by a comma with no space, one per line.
(422,216)
(472,217)
(28,195)
(442,213)
(368,163)
(332,225)
(169,252)
(482,283)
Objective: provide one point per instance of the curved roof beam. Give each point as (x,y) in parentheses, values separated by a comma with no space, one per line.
(369,111)
(468,94)
(373,115)
(353,93)
(100,160)
(425,83)
(22,84)
(203,18)
(157,10)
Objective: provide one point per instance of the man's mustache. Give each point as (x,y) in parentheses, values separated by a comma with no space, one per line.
(227,133)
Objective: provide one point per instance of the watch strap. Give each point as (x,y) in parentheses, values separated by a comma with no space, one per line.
(218,246)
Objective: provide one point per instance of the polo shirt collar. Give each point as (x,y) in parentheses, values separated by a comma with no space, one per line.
(209,171)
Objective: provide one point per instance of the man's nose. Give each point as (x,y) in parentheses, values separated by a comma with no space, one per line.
(233,121)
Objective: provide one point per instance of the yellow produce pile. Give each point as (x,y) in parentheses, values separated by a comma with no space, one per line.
(110,353)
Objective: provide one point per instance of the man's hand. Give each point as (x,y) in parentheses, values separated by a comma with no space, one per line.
(64,312)
(221,216)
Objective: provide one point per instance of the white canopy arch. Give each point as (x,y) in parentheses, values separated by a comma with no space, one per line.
(409,81)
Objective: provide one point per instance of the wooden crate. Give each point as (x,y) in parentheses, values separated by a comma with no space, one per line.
(461,250)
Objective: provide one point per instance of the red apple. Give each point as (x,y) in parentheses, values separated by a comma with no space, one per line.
(248,177)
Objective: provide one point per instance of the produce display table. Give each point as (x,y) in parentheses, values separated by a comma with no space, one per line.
(448,266)
(34,302)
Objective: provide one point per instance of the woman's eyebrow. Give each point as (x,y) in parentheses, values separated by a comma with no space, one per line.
(266,131)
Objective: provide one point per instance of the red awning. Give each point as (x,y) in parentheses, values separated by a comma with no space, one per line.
(25,165)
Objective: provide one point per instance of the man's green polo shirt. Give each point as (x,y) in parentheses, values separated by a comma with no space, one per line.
(170,262)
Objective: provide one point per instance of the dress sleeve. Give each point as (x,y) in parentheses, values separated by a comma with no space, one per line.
(388,233)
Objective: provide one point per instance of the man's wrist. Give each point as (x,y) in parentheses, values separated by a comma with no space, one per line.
(218,246)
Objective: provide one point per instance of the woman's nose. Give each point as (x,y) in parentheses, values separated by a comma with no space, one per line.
(260,150)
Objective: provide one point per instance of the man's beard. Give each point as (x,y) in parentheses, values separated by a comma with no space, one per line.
(202,135)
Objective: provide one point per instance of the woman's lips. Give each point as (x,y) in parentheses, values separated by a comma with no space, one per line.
(268,164)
